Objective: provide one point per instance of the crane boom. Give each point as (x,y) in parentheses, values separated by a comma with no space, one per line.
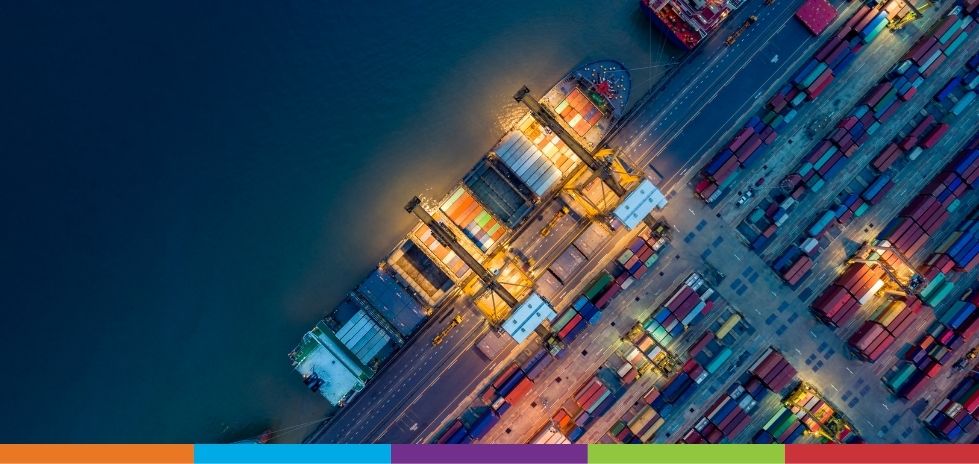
(547,119)
(447,238)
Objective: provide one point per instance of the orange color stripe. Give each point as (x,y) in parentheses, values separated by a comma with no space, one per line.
(92,454)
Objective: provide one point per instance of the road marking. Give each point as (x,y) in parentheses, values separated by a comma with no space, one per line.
(813,334)
(885,406)
(773,293)
(757,311)
(797,351)
(736,257)
(834,388)
(848,370)
(691,211)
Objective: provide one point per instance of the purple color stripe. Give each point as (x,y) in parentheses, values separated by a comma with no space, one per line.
(510,454)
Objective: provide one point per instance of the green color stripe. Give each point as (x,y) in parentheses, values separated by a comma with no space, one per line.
(683,454)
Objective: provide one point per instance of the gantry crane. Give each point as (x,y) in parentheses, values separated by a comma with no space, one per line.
(601,166)
(912,14)
(447,238)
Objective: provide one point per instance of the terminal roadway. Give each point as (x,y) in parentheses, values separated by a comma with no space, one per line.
(670,132)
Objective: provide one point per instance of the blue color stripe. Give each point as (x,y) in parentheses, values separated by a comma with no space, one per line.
(289,454)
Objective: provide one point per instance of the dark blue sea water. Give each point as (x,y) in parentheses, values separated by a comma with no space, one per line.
(188,186)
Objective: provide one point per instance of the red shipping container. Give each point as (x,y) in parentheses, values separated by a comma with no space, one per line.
(739,139)
(935,135)
(922,126)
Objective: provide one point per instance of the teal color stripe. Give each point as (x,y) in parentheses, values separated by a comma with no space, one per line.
(292,454)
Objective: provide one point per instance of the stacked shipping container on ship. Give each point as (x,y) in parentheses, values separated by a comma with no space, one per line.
(935,348)
(830,156)
(854,287)
(886,325)
(730,413)
(956,414)
(748,146)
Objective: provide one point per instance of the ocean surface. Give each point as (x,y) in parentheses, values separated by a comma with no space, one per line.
(188,186)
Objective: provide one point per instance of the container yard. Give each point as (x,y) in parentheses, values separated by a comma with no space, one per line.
(808,275)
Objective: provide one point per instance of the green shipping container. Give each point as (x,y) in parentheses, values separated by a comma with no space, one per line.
(900,377)
(600,284)
(778,415)
(861,210)
(940,295)
(564,319)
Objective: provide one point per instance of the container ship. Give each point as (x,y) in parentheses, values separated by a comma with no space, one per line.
(686,23)
(483,211)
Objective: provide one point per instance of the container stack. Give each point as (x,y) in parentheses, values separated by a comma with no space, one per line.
(636,260)
(773,370)
(691,301)
(962,316)
(800,265)
(535,366)
(854,287)
(456,434)
(709,353)
(593,399)
(568,325)
(632,264)
(676,391)
(886,325)
(935,348)
(931,51)
(783,427)
(960,252)
(483,424)
(929,210)
(830,156)
(727,417)
(730,412)
(887,157)
(875,192)
(956,415)
(509,387)
(746,148)
(550,435)
(640,423)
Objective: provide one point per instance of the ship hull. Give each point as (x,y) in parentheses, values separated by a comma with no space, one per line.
(664,28)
